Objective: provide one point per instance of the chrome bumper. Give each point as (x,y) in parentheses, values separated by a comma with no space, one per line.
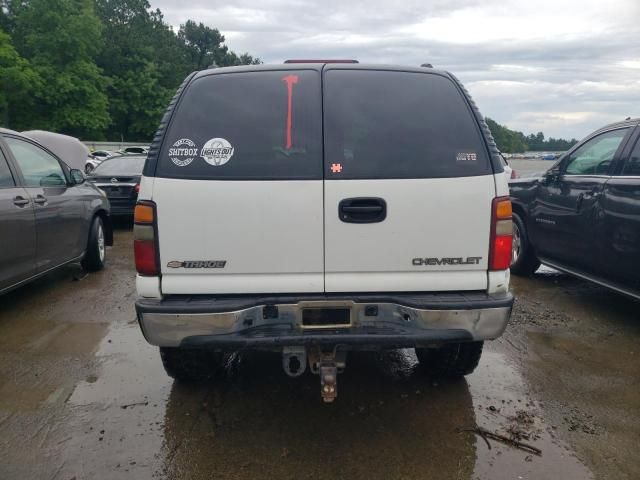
(395,324)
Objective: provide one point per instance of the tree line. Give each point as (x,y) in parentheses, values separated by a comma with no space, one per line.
(98,69)
(106,69)
(511,141)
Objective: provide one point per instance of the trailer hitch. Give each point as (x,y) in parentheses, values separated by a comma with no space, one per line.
(327,365)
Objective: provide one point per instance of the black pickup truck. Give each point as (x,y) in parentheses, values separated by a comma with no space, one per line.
(582,216)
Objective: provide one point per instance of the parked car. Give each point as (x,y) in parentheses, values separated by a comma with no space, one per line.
(95,158)
(583,215)
(510,172)
(102,154)
(49,215)
(134,150)
(119,178)
(311,215)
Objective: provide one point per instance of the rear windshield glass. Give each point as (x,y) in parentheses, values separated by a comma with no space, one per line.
(249,125)
(121,166)
(383,124)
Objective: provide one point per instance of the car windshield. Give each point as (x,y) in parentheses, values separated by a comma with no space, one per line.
(121,166)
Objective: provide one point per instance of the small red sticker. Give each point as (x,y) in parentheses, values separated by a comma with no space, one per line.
(336,167)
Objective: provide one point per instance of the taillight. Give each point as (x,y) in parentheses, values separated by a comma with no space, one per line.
(137,188)
(145,245)
(501,234)
(513,174)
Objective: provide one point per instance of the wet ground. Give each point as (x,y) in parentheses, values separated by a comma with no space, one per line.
(83,396)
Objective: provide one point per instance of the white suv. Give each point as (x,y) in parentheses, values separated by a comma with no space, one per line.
(317,208)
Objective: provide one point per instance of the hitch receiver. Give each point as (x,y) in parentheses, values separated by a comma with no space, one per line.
(327,365)
(329,382)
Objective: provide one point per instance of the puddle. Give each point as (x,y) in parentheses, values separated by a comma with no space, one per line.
(602,421)
(502,400)
(255,422)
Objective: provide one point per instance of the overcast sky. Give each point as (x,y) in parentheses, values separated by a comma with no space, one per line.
(565,67)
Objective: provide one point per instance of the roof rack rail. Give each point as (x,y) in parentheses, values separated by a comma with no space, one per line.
(320,61)
(426,65)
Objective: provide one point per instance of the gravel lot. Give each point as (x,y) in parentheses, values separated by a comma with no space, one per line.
(82,396)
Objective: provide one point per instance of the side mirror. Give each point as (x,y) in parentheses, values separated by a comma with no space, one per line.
(77,177)
(551,176)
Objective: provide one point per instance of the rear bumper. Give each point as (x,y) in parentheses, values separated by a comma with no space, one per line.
(119,208)
(391,321)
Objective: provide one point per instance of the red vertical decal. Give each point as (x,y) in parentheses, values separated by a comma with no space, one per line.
(290,80)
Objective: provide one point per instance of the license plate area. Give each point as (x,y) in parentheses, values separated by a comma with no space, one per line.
(118,192)
(326,317)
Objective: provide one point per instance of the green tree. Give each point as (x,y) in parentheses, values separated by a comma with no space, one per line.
(97,68)
(137,102)
(511,141)
(18,82)
(205,48)
(61,39)
(144,61)
(508,141)
(204,45)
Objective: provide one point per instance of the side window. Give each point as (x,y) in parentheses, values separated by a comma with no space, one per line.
(596,155)
(6,179)
(39,168)
(632,166)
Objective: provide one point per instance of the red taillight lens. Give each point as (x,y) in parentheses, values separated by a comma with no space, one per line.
(501,259)
(137,188)
(145,245)
(513,174)
(501,234)
(145,255)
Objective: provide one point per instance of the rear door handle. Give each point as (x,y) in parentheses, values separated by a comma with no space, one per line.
(20,201)
(40,200)
(362,210)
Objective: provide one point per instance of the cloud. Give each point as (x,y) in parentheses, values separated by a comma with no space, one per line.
(564,67)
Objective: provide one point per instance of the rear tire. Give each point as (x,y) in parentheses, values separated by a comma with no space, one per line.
(95,255)
(190,365)
(523,259)
(452,361)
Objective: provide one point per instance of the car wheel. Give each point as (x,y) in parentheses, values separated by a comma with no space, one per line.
(451,361)
(95,254)
(190,364)
(88,168)
(523,259)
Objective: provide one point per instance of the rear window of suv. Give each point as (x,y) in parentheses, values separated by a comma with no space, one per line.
(246,125)
(387,124)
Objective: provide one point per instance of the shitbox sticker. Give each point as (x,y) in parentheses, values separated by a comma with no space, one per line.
(183,152)
(217,151)
(466,157)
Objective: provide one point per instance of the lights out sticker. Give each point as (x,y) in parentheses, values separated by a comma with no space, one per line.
(217,152)
(183,152)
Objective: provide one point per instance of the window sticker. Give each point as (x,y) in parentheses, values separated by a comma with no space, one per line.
(217,152)
(183,152)
(466,157)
